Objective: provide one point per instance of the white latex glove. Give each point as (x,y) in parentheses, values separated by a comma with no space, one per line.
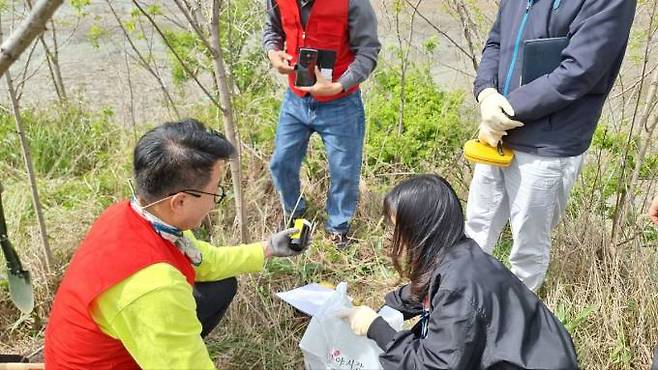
(489,136)
(360,318)
(496,111)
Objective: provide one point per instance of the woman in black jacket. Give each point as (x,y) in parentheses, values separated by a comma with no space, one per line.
(474,313)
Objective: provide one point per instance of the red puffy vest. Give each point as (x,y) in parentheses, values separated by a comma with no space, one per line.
(326,28)
(119,244)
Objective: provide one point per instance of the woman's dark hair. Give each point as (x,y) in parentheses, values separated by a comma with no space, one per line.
(428,222)
(176,156)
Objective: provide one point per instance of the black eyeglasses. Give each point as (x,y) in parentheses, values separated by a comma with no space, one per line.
(197,194)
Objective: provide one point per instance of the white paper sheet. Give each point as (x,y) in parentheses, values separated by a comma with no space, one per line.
(307,298)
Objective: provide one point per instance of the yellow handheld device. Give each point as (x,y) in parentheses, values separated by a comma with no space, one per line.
(300,239)
(479,152)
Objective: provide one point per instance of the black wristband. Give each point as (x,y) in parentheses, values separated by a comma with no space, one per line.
(381,332)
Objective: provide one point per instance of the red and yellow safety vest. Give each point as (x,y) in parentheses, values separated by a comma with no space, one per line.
(119,244)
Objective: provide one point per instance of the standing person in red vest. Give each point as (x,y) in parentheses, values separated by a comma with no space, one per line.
(332,108)
(141,291)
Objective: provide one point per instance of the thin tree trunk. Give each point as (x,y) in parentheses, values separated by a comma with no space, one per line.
(404,60)
(20,87)
(51,68)
(468,30)
(229,122)
(47,254)
(54,69)
(27,31)
(52,59)
(403,69)
(55,57)
(131,105)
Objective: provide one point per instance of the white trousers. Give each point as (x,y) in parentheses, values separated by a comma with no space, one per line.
(532,194)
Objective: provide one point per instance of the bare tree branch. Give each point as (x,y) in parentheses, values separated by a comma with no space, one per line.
(144,62)
(621,204)
(197,28)
(52,58)
(173,51)
(26,32)
(468,28)
(470,56)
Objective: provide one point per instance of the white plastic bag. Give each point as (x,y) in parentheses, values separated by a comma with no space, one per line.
(329,342)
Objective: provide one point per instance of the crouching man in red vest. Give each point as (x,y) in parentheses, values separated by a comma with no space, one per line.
(332,107)
(141,291)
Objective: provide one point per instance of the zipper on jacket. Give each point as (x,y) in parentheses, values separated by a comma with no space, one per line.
(301,24)
(517,46)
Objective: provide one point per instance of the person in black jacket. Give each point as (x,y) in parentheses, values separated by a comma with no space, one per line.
(474,313)
(548,121)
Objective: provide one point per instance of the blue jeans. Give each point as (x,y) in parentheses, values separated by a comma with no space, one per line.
(341,125)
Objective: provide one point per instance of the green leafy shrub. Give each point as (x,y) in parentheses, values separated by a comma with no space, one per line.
(433,128)
(605,177)
(185,45)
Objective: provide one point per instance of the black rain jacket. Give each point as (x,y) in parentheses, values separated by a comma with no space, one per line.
(561,109)
(481,316)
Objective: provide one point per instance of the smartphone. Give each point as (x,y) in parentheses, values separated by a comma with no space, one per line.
(326,63)
(305,67)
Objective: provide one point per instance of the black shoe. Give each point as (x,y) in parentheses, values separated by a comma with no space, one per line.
(340,239)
